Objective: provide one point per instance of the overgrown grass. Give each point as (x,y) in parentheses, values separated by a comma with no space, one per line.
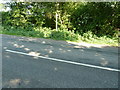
(91,38)
(60,35)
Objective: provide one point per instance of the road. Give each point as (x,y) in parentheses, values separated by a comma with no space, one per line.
(42,63)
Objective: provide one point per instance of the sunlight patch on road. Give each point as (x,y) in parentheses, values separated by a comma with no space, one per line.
(43,42)
(104,62)
(69,50)
(8,56)
(34,53)
(15,81)
(18,46)
(88,45)
(5,47)
(27,49)
(55,68)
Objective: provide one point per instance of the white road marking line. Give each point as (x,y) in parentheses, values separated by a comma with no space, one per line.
(70,62)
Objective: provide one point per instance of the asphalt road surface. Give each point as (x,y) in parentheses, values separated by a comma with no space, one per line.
(42,63)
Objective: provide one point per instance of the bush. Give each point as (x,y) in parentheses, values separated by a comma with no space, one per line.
(43,32)
(64,35)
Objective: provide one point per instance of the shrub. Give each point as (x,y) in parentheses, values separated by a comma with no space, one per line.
(64,35)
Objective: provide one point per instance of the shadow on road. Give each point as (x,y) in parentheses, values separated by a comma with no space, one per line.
(101,56)
(85,53)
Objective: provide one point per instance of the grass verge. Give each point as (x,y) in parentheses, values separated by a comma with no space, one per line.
(60,35)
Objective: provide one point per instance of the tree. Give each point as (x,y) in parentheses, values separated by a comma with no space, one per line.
(101,18)
(98,17)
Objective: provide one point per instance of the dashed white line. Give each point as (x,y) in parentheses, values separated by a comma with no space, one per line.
(65,61)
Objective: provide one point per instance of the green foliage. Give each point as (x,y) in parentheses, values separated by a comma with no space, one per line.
(93,22)
(98,17)
(59,35)
(64,35)
(23,14)
(43,33)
